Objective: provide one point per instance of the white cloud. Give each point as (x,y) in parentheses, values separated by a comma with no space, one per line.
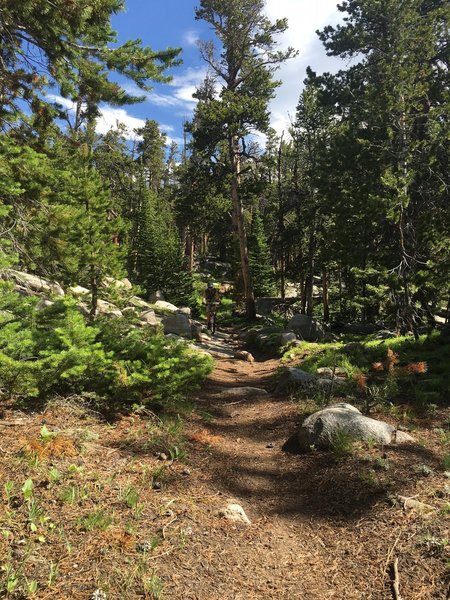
(191,38)
(110,117)
(185,94)
(304,18)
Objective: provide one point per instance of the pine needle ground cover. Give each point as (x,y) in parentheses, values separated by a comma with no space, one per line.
(126,506)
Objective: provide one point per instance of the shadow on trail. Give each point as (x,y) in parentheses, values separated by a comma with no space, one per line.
(250,465)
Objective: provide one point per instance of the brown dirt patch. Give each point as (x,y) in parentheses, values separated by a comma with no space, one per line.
(114,517)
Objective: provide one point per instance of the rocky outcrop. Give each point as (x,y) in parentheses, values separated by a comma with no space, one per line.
(32,283)
(306,328)
(177,323)
(149,318)
(322,428)
(162,307)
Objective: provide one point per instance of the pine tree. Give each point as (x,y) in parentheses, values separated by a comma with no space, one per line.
(260,259)
(245,65)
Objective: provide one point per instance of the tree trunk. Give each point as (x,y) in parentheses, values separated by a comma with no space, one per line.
(326,305)
(281,224)
(310,271)
(238,211)
(94,294)
(190,249)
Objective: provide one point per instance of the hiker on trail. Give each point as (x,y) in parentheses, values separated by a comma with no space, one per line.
(212,300)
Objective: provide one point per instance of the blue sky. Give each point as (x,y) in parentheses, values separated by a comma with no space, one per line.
(164,23)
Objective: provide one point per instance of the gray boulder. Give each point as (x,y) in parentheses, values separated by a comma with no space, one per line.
(120,284)
(235,513)
(162,307)
(155,296)
(287,338)
(293,377)
(108,309)
(149,318)
(79,291)
(321,428)
(139,303)
(241,392)
(177,323)
(306,328)
(329,371)
(34,283)
(44,303)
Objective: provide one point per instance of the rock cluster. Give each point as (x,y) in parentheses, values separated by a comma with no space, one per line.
(160,314)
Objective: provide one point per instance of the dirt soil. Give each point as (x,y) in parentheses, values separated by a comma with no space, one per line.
(126,523)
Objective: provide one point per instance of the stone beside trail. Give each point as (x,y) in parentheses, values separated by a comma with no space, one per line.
(323,428)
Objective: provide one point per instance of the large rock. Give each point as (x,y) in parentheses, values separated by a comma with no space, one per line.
(162,307)
(235,513)
(177,323)
(33,283)
(240,392)
(287,338)
(139,303)
(108,309)
(44,303)
(291,378)
(79,291)
(306,328)
(149,317)
(323,427)
(120,284)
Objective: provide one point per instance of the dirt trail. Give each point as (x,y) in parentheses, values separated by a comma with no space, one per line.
(318,530)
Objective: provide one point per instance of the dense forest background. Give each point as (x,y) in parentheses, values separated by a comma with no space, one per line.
(355,196)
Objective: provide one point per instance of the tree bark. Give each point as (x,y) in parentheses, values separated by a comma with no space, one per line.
(310,273)
(281,224)
(238,211)
(326,305)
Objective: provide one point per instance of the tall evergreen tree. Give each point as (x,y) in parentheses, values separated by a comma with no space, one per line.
(244,65)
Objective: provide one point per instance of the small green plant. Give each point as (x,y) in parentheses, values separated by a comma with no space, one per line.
(434,546)
(11,578)
(46,435)
(69,494)
(371,443)
(176,453)
(131,497)
(9,491)
(446,462)
(53,573)
(32,586)
(424,470)
(383,463)
(75,470)
(369,477)
(54,475)
(154,586)
(342,444)
(27,489)
(96,520)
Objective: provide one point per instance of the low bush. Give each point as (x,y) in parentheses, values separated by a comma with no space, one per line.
(56,351)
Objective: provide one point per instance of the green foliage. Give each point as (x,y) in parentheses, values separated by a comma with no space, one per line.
(381,387)
(55,351)
(260,259)
(342,444)
(73,46)
(159,261)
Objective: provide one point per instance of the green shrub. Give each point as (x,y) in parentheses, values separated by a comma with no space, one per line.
(54,350)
